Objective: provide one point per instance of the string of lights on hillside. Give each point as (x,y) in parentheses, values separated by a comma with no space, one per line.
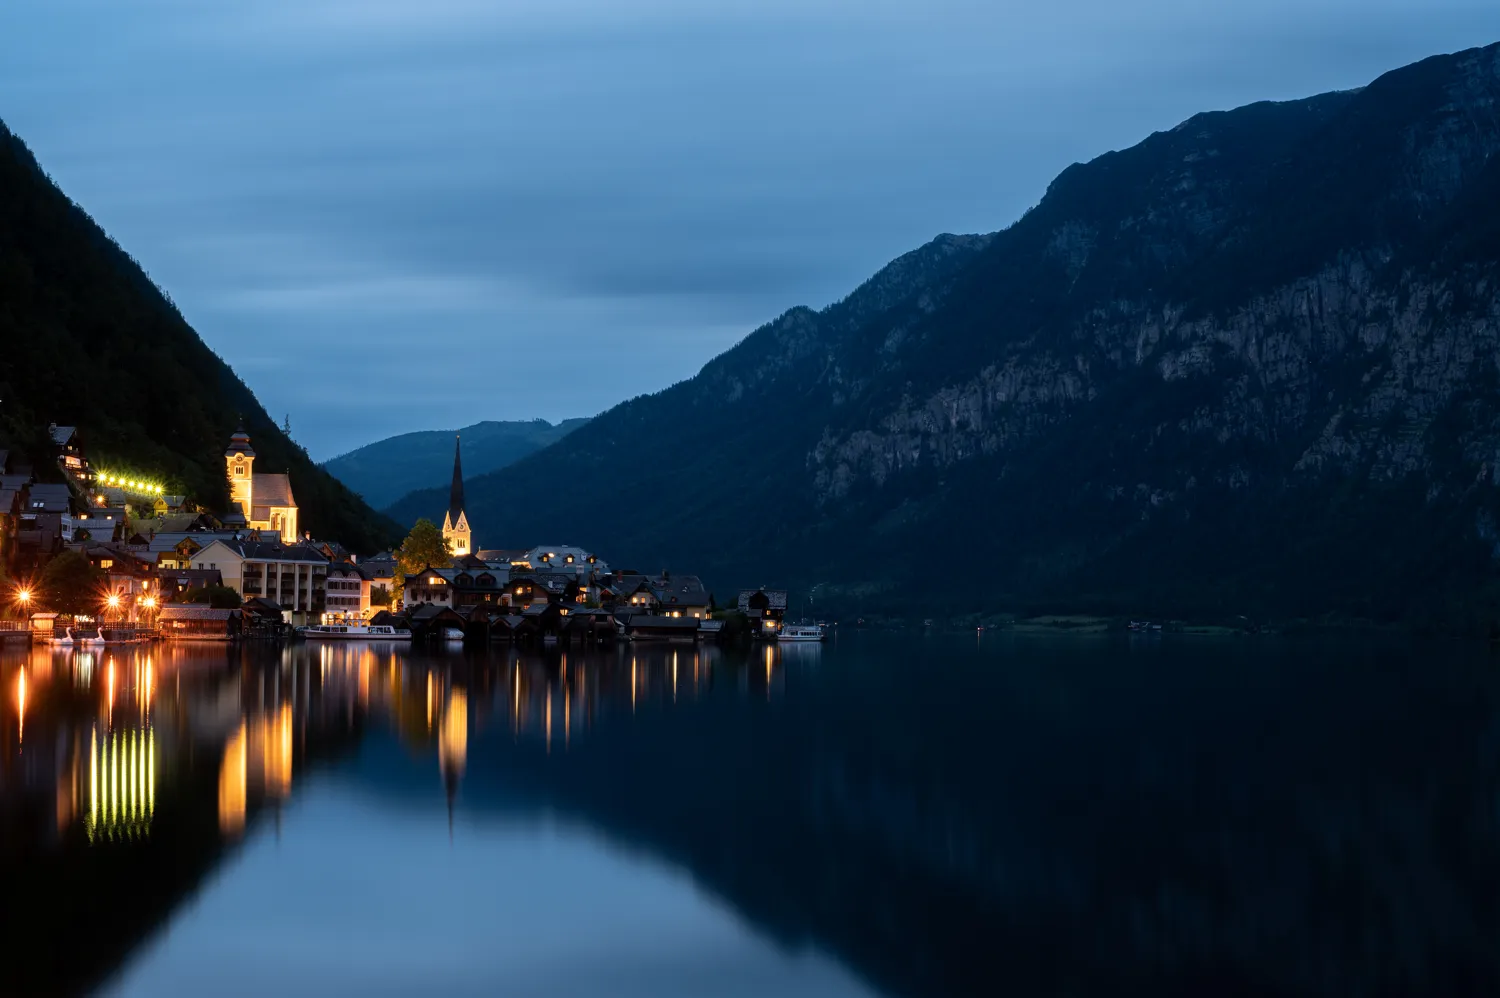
(126,484)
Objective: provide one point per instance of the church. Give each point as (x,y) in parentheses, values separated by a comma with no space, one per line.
(265,500)
(456,522)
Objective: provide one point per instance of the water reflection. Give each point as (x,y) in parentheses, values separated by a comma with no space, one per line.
(938,818)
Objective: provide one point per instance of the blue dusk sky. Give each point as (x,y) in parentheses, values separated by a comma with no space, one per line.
(392,215)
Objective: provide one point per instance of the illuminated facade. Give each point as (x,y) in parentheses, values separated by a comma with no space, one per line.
(265,500)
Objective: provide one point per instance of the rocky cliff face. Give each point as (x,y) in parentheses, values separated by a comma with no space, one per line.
(1250,362)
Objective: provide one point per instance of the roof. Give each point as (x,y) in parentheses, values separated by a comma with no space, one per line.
(777,598)
(502,554)
(347,568)
(52,498)
(14,481)
(683,595)
(239,443)
(431,611)
(271,490)
(167,540)
(261,607)
(192,611)
(269,551)
(62,434)
(192,578)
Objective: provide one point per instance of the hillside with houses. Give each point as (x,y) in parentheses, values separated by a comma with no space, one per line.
(107,551)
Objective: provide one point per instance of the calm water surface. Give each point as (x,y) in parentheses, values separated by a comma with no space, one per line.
(877,816)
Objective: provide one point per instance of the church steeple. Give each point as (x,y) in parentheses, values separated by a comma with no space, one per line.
(456,522)
(456,490)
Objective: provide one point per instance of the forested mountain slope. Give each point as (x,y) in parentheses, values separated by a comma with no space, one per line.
(1246,366)
(388,469)
(86,339)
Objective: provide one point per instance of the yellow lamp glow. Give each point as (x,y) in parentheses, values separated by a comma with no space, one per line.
(114,601)
(24,596)
(149,602)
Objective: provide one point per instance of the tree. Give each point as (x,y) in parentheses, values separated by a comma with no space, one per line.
(218,597)
(424,546)
(71,585)
(380,596)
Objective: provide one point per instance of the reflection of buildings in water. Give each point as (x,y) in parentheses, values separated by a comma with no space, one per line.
(257,763)
(122,783)
(233,780)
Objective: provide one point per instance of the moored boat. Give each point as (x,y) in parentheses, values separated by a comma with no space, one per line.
(353,632)
(802,632)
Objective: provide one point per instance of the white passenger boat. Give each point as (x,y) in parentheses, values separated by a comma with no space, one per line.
(354,632)
(801,632)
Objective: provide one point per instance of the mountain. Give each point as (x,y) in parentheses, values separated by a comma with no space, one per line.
(385,471)
(1247,366)
(88,340)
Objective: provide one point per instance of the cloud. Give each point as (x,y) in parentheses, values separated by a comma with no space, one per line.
(356,201)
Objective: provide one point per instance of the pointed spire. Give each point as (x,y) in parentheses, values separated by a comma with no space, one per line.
(456,491)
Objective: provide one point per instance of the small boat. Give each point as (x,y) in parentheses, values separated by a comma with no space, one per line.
(453,635)
(801,632)
(97,639)
(353,632)
(64,640)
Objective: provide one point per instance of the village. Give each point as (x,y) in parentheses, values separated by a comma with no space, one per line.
(107,557)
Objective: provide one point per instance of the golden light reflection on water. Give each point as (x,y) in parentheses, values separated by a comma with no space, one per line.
(233,777)
(453,738)
(250,714)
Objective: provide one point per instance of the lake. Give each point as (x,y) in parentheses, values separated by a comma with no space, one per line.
(881,815)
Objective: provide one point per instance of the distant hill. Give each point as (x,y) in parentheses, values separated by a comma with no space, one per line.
(385,471)
(87,340)
(1246,366)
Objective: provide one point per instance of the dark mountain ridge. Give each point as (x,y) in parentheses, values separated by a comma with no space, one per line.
(90,341)
(388,469)
(1246,366)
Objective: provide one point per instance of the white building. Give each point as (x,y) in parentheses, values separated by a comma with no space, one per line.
(564,558)
(296,577)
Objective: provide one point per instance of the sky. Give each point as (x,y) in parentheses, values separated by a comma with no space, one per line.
(396,215)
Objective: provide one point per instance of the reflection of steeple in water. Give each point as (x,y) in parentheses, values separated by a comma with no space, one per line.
(453,746)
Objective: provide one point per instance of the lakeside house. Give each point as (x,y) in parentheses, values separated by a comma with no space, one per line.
(194,622)
(348,594)
(765,608)
(295,576)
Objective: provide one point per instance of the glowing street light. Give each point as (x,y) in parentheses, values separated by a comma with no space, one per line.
(114,601)
(149,602)
(23,596)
